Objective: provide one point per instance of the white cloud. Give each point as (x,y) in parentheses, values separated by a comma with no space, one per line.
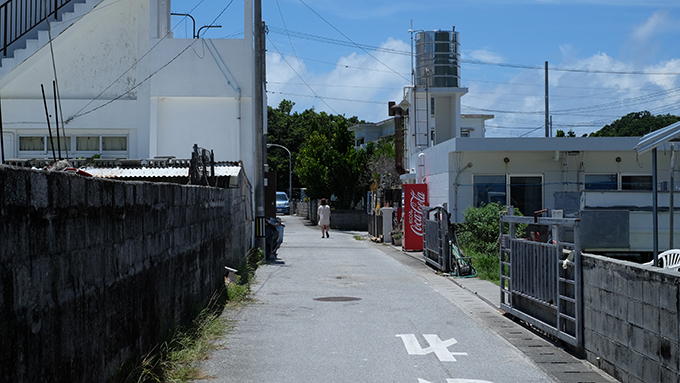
(359,85)
(659,22)
(486,56)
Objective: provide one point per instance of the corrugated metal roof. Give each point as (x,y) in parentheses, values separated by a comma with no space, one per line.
(144,172)
(658,137)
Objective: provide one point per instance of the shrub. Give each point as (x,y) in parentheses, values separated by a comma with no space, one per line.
(478,235)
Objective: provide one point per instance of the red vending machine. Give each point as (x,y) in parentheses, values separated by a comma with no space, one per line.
(413,198)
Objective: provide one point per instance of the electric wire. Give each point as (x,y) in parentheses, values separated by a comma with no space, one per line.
(297,59)
(352,41)
(80,112)
(322,99)
(366,47)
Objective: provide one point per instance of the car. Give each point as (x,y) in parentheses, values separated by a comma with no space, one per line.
(282,203)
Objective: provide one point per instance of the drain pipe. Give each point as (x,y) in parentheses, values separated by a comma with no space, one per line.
(454,210)
(2,137)
(421,168)
(671,203)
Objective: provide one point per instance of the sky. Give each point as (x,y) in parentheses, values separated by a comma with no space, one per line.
(606,58)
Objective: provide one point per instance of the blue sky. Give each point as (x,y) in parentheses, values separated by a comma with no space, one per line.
(606,58)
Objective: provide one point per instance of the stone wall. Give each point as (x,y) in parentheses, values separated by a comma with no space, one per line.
(631,320)
(348,220)
(94,273)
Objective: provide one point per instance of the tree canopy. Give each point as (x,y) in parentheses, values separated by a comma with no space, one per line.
(636,125)
(324,159)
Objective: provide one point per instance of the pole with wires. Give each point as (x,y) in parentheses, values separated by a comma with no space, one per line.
(2,137)
(258,126)
(56,119)
(49,128)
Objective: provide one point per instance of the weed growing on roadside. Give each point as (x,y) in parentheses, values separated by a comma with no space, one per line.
(358,238)
(177,360)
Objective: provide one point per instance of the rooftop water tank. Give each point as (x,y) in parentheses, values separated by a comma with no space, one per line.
(437,59)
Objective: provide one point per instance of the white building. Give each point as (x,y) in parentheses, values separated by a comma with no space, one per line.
(462,168)
(129,89)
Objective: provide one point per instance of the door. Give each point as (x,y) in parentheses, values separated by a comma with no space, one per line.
(526,193)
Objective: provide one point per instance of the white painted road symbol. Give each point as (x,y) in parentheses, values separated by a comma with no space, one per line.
(458,381)
(439,347)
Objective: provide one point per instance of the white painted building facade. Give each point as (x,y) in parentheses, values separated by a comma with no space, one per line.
(462,168)
(129,89)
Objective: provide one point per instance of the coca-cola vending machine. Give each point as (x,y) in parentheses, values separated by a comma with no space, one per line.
(413,198)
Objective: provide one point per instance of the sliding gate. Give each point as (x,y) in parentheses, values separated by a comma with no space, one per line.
(541,283)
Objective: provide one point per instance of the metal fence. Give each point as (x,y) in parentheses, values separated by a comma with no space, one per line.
(436,248)
(541,283)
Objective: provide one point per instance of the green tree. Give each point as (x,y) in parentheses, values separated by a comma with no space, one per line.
(381,161)
(636,125)
(327,163)
(560,133)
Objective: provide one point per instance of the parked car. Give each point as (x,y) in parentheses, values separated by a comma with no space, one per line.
(282,203)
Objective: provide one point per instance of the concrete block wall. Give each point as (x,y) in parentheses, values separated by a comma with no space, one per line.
(340,219)
(354,220)
(631,320)
(94,273)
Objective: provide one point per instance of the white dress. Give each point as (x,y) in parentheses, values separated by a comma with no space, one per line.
(324,215)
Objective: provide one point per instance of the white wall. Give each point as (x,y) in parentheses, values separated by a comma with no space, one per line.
(539,163)
(116,76)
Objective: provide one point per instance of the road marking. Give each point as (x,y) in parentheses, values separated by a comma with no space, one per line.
(439,347)
(457,381)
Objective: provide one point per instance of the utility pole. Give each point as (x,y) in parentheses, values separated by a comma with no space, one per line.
(260,151)
(547,110)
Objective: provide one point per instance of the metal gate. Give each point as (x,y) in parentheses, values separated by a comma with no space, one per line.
(436,247)
(541,283)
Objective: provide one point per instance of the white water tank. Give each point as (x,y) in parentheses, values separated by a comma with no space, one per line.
(437,59)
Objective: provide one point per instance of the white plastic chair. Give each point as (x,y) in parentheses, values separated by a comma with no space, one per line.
(669,259)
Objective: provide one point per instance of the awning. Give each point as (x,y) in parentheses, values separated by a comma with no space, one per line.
(658,137)
(144,172)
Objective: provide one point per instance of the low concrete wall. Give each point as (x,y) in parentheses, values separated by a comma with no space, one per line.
(351,220)
(354,220)
(94,273)
(631,320)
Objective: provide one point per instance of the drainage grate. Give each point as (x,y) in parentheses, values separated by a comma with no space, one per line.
(337,299)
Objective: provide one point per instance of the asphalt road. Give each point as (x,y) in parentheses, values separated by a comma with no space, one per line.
(343,310)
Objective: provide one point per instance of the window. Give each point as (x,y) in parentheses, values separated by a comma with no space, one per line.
(87,144)
(636,182)
(601,182)
(488,189)
(432,106)
(526,193)
(114,143)
(359,141)
(64,144)
(32,144)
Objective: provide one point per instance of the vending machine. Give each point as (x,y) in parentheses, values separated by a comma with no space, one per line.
(413,198)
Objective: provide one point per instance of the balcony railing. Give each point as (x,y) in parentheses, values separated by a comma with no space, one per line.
(18,17)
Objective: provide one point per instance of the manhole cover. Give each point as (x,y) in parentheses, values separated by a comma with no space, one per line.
(337,299)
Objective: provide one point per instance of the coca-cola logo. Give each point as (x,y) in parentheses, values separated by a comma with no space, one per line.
(415,216)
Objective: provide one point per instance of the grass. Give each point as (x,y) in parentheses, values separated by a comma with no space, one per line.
(487,266)
(178,360)
(358,238)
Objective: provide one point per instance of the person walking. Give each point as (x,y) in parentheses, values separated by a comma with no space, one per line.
(324,214)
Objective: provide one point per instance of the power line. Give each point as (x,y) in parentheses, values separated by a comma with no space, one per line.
(79,114)
(352,41)
(328,98)
(366,47)
(303,80)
